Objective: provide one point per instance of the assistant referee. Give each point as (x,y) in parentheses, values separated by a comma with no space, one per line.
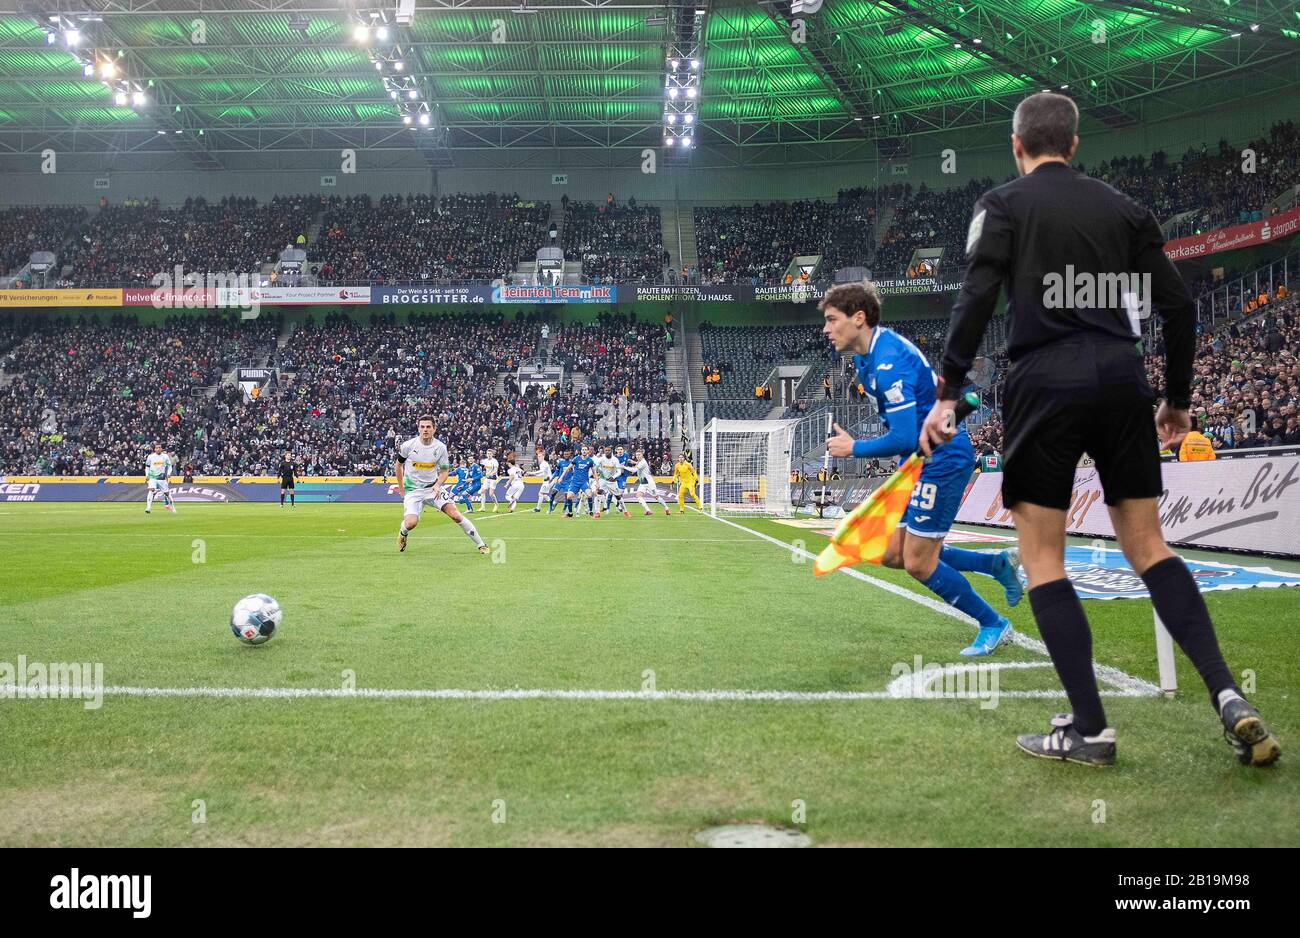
(1082,264)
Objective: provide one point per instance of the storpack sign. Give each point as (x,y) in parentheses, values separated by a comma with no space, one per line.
(1239,504)
(1103,573)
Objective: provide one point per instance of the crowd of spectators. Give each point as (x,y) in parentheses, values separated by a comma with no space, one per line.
(456,238)
(1246,384)
(130,244)
(1211,183)
(91,397)
(755,243)
(87,397)
(927,217)
(24,231)
(616,243)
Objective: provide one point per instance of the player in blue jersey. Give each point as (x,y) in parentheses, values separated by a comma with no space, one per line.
(458,490)
(578,481)
(473,481)
(621,454)
(896,373)
(559,476)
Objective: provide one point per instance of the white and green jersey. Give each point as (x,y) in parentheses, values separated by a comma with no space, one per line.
(490,468)
(609,468)
(157,467)
(642,470)
(422,464)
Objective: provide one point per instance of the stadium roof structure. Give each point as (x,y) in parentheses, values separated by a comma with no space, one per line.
(514,82)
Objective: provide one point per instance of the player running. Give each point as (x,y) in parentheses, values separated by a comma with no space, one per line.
(548,482)
(646,483)
(422,469)
(897,375)
(515,485)
(609,471)
(490,469)
(286,480)
(684,476)
(625,473)
(157,472)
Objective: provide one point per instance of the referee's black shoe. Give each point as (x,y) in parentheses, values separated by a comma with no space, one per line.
(1067,743)
(1246,733)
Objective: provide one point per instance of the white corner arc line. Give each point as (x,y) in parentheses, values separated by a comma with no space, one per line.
(1129,684)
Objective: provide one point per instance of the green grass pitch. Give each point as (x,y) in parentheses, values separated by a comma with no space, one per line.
(610,604)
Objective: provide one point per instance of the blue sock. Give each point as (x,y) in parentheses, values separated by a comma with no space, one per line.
(952,588)
(972,561)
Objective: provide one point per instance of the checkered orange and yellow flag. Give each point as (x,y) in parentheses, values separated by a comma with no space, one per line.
(862,535)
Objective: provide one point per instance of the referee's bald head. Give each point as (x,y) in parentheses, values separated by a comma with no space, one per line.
(1046,125)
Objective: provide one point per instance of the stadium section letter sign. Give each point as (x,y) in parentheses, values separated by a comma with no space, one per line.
(1236,504)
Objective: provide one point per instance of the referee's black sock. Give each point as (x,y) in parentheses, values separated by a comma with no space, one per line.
(1182,609)
(1064,628)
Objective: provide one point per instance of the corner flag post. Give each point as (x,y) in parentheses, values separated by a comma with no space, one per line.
(1165,657)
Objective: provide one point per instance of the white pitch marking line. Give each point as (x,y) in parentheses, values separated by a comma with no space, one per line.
(701,696)
(1129,684)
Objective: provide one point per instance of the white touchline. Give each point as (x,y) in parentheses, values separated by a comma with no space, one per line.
(1131,685)
(544,693)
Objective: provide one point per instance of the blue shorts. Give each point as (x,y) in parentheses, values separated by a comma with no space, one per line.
(937,496)
(577,486)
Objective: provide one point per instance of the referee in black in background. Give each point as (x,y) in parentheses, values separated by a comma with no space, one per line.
(1076,384)
(286,480)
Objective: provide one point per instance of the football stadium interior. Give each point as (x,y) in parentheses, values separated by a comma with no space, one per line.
(248,246)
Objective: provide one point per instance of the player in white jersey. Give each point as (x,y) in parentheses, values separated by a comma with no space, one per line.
(646,484)
(490,469)
(608,469)
(422,469)
(514,485)
(157,473)
(548,480)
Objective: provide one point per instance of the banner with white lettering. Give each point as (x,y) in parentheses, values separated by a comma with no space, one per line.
(1237,504)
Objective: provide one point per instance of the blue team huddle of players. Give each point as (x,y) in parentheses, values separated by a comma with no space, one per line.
(896,373)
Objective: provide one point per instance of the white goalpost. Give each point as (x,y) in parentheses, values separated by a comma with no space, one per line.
(745,467)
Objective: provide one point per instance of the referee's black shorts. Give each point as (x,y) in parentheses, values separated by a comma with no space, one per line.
(286,482)
(1088,393)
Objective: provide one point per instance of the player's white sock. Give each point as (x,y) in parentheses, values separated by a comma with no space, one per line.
(148,500)
(468,527)
(402,529)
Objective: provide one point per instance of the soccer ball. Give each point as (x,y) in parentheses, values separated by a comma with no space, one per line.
(255,619)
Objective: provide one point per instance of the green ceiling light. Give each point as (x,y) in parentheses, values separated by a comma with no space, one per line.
(1092,82)
(1054,61)
(1009,36)
(150,82)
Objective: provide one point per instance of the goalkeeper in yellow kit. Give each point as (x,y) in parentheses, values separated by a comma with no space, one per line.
(684,476)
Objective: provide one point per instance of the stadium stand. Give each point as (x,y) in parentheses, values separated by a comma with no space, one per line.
(128,245)
(616,243)
(87,397)
(24,231)
(455,238)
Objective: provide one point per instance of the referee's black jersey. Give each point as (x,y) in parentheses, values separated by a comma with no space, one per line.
(286,472)
(1057,221)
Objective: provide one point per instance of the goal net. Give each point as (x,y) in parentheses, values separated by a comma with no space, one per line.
(745,467)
